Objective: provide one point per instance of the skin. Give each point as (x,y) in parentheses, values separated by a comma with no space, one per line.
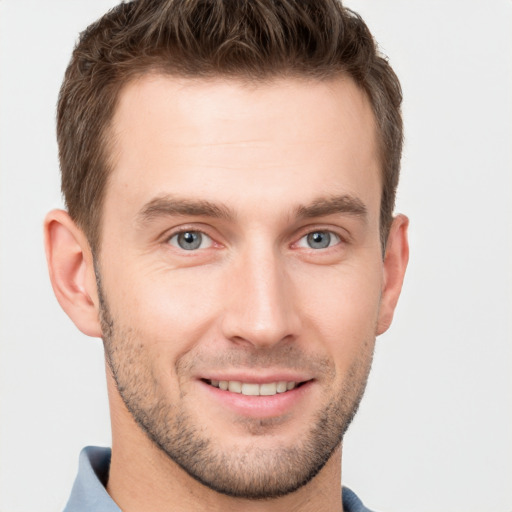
(275,161)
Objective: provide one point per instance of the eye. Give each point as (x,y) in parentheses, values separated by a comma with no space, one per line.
(191,240)
(319,240)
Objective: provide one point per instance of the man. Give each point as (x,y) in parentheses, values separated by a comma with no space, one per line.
(229,170)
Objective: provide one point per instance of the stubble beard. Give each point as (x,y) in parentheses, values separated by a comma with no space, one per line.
(249,472)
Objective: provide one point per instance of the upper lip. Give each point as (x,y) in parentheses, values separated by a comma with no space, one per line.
(257,378)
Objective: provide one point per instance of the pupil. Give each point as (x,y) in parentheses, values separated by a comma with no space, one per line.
(189,240)
(319,240)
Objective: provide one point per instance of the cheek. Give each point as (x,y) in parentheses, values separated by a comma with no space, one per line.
(169,309)
(172,310)
(343,311)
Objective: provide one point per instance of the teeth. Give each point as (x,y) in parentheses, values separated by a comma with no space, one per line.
(281,387)
(234,386)
(268,389)
(252,389)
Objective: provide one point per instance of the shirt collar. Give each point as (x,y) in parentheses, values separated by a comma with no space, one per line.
(88,493)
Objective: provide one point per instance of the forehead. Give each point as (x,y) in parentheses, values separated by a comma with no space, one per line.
(225,138)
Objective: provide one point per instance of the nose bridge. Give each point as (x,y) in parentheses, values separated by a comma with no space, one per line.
(261,310)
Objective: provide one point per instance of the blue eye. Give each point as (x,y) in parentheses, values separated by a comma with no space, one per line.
(319,240)
(190,240)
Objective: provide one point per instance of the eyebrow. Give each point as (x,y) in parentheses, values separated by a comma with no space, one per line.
(171,206)
(343,204)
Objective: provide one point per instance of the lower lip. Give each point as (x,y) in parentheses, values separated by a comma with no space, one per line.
(259,406)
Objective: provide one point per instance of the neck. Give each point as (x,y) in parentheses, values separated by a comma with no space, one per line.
(143,478)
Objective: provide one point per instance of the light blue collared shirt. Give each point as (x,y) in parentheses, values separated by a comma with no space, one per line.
(89,493)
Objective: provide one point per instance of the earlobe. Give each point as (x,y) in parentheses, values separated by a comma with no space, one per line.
(395,264)
(71,268)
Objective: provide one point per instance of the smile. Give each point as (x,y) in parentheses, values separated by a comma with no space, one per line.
(253,389)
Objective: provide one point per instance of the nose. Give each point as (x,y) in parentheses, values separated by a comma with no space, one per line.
(261,309)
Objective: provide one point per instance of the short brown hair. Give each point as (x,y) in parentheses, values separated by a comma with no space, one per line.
(252,39)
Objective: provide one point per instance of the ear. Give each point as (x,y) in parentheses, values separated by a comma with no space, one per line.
(71,268)
(395,263)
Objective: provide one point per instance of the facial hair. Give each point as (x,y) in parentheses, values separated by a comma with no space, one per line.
(250,472)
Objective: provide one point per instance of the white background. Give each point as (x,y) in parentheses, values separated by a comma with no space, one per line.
(434,432)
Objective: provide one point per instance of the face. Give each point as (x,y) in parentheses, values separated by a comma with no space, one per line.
(241,272)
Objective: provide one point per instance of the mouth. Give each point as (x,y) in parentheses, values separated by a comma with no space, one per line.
(253,388)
